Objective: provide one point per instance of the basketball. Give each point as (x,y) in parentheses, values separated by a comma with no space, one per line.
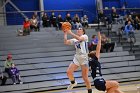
(66,26)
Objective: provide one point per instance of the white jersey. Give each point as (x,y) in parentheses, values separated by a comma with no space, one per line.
(81,46)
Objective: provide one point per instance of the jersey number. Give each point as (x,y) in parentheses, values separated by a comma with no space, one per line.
(78,46)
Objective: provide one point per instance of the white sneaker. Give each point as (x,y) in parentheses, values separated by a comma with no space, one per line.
(21,82)
(70,87)
(14,83)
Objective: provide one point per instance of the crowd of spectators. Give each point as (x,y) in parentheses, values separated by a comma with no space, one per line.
(56,21)
(34,23)
(132,24)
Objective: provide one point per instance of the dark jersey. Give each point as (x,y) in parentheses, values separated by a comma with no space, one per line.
(96,74)
(95,67)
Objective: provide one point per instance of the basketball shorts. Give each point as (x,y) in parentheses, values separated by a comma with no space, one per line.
(80,59)
(99,84)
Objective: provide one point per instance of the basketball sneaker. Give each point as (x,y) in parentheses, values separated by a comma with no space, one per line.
(70,87)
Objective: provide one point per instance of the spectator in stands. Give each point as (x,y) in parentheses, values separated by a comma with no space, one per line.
(37,17)
(84,21)
(46,20)
(34,24)
(114,15)
(126,21)
(2,77)
(8,64)
(76,22)
(68,18)
(15,75)
(107,45)
(60,21)
(102,17)
(137,23)
(53,20)
(128,30)
(131,19)
(100,83)
(26,27)
(93,43)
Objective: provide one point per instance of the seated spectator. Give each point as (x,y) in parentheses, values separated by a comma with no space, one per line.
(8,64)
(128,30)
(2,77)
(137,23)
(76,22)
(101,16)
(107,45)
(114,15)
(15,75)
(34,24)
(46,20)
(93,43)
(68,18)
(126,21)
(37,17)
(131,19)
(53,20)
(60,21)
(26,27)
(84,21)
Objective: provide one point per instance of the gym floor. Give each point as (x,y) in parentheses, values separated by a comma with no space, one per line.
(129,87)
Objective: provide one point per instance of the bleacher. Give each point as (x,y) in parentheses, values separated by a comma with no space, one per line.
(42,59)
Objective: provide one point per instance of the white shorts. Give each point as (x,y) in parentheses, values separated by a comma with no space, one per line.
(80,59)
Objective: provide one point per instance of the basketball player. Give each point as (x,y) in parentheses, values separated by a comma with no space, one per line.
(80,41)
(99,83)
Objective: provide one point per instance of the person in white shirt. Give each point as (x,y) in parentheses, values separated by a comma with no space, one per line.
(80,41)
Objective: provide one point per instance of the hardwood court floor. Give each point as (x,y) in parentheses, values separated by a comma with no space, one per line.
(125,87)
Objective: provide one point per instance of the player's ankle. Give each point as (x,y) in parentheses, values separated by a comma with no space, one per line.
(73,81)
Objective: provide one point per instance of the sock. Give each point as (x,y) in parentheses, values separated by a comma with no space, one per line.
(73,81)
(89,90)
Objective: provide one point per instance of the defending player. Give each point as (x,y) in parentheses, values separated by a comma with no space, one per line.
(99,82)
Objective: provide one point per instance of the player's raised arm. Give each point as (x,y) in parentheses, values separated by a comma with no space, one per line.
(66,41)
(98,48)
(76,36)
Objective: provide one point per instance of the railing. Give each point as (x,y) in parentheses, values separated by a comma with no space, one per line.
(17,18)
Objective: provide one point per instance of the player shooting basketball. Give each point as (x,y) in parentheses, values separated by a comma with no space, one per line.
(80,41)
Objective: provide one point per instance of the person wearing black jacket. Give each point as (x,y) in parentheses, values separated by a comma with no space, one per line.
(2,78)
(53,20)
(68,18)
(60,21)
(114,15)
(46,20)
